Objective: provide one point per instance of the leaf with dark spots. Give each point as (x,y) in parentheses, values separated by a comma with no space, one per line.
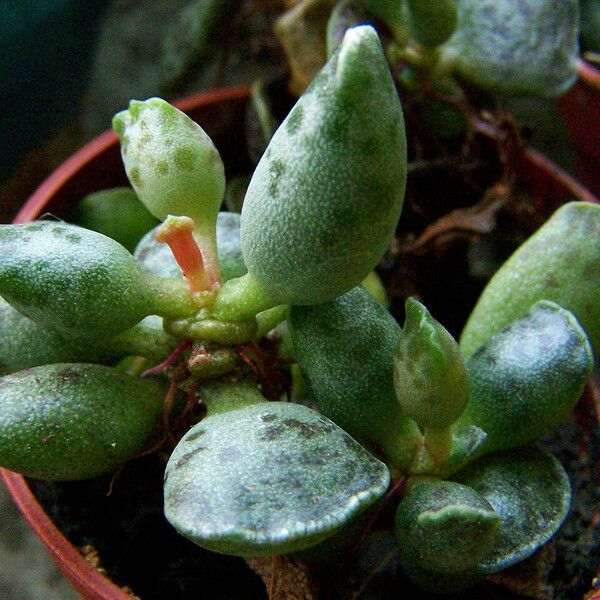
(268,418)
(291,480)
(194,436)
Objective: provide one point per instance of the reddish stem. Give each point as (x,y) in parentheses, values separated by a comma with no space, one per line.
(177,233)
(159,368)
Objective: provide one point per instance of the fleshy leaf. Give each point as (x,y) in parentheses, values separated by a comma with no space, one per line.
(445,526)
(25,344)
(530,491)
(325,198)
(117,213)
(528,46)
(345,349)
(79,282)
(527,378)
(74,421)
(157,258)
(560,262)
(171,162)
(431,22)
(430,376)
(268,479)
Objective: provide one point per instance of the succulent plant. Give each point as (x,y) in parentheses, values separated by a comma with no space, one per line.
(452,425)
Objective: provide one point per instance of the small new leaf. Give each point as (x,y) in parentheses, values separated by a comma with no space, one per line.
(445,526)
(430,376)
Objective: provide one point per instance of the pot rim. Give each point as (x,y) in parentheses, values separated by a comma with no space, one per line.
(83,575)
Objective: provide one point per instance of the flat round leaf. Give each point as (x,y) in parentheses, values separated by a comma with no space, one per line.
(530,491)
(527,378)
(157,258)
(528,46)
(268,479)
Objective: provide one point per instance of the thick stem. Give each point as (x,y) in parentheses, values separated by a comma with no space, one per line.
(438,443)
(170,298)
(223,396)
(147,338)
(241,299)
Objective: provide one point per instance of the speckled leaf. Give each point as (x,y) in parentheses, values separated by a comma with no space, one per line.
(268,479)
(79,282)
(157,258)
(527,378)
(528,46)
(530,491)
(559,262)
(325,198)
(74,421)
(345,349)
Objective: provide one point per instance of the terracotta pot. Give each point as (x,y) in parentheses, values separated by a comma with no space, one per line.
(580,110)
(98,165)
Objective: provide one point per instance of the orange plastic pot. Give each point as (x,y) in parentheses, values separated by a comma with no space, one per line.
(97,166)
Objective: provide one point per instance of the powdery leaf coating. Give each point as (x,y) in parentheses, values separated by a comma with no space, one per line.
(74,421)
(530,491)
(345,349)
(171,162)
(326,196)
(157,258)
(268,479)
(75,281)
(527,378)
(559,262)
(445,526)
(529,46)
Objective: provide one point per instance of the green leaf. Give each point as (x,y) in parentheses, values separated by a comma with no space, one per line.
(345,349)
(171,162)
(431,22)
(527,378)
(25,344)
(430,376)
(325,198)
(512,47)
(157,258)
(79,282)
(268,479)
(530,491)
(445,526)
(560,262)
(74,421)
(117,213)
